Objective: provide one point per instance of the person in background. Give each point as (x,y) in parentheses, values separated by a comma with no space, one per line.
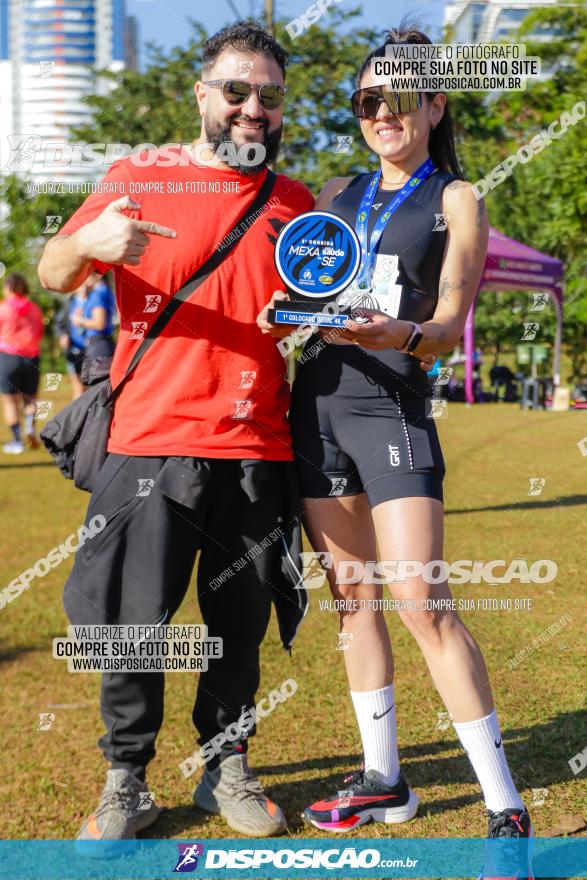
(72,339)
(21,331)
(94,319)
(502,382)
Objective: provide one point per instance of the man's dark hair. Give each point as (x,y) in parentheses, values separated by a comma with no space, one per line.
(245,36)
(441,144)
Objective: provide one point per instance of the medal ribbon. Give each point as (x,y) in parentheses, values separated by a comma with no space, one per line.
(368,248)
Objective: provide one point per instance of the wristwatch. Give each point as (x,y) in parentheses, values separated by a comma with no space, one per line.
(413,340)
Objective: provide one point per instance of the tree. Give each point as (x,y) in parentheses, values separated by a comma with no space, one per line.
(22,238)
(157,106)
(22,229)
(543,203)
(325,60)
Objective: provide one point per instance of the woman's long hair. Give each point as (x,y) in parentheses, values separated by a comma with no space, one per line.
(441,143)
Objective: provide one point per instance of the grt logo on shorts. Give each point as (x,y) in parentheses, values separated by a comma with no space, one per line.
(462,571)
(53,558)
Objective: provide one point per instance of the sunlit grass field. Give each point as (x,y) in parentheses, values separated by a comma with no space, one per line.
(52,779)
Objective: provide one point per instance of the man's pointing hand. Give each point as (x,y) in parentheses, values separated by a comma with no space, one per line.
(117,239)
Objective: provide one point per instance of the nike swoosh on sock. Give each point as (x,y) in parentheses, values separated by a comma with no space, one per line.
(376,717)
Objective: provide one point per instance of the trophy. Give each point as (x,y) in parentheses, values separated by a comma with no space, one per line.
(317,256)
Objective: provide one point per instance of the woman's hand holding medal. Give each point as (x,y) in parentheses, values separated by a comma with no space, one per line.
(376,330)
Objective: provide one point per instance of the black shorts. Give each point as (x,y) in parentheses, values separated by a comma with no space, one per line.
(360,431)
(18,375)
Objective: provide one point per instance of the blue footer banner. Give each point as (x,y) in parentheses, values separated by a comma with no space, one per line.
(225,858)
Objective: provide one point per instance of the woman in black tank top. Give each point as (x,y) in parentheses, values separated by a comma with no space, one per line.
(368,453)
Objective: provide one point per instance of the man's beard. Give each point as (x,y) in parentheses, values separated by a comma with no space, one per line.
(218,133)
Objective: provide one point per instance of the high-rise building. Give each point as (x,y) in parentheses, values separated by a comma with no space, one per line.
(50,51)
(491,22)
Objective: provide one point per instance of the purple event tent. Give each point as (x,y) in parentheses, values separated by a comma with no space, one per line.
(511,265)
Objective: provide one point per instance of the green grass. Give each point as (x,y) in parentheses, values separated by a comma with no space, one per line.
(52,779)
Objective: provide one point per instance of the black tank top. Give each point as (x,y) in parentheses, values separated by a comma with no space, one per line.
(407,273)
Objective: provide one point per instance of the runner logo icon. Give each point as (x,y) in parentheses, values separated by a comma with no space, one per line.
(187,860)
(338,485)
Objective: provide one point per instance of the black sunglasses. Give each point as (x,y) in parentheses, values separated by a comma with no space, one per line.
(365,102)
(237,91)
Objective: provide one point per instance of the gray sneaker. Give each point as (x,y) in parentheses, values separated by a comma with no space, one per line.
(123,810)
(233,791)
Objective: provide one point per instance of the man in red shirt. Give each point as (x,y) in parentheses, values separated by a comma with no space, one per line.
(199,451)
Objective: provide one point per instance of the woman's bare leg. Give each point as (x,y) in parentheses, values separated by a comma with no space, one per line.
(412,529)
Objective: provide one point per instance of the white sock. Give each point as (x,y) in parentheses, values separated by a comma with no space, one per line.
(378,734)
(479,739)
(29,423)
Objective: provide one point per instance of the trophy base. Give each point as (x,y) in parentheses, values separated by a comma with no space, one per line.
(297,316)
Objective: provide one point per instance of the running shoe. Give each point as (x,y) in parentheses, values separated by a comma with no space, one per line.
(13,447)
(32,441)
(508,849)
(366,799)
(125,807)
(233,791)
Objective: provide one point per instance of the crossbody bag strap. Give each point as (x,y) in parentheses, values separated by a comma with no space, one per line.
(212,263)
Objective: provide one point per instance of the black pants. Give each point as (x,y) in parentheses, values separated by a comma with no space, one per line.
(160,512)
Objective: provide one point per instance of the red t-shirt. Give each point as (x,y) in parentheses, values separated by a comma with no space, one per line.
(212,385)
(21,326)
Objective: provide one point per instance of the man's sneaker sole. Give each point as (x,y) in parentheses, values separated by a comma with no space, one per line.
(387,816)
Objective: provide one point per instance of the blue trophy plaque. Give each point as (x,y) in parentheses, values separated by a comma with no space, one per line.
(317,256)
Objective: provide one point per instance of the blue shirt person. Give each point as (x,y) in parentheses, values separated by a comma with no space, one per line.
(77,334)
(99,297)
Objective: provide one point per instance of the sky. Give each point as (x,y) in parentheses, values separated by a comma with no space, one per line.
(165,22)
